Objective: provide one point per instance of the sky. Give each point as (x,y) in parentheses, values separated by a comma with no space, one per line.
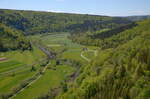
(96,7)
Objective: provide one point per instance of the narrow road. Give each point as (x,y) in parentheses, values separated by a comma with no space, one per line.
(85,58)
(88,50)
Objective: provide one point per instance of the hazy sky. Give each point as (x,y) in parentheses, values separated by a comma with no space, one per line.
(99,7)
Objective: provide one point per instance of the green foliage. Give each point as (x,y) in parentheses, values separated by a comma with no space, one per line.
(121,72)
(11,39)
(138,18)
(113,37)
(64,87)
(31,22)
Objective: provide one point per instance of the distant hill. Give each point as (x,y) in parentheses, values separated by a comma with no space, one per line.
(33,22)
(138,18)
(15,23)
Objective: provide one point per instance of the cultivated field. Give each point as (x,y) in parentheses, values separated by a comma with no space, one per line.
(17,68)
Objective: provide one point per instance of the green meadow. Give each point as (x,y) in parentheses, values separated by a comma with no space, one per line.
(53,77)
(17,67)
(50,79)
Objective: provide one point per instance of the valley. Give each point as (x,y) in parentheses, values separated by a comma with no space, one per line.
(47,55)
(53,74)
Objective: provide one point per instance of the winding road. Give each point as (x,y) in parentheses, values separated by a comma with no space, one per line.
(88,50)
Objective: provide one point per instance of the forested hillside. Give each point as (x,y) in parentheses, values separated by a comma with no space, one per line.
(110,38)
(120,72)
(33,22)
(12,39)
(99,37)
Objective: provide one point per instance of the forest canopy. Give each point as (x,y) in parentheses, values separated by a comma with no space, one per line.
(12,39)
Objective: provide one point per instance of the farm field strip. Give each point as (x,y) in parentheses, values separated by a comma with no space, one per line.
(54,45)
(31,82)
(50,79)
(17,68)
(6,66)
(14,70)
(10,82)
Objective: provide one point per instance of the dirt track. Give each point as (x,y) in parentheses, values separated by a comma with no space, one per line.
(3,59)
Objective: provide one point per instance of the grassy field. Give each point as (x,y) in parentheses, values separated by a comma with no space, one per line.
(60,42)
(65,47)
(9,65)
(17,67)
(53,77)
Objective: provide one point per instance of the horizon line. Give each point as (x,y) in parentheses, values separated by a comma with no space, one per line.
(49,11)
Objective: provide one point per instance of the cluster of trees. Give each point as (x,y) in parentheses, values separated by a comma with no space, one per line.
(115,31)
(12,39)
(122,72)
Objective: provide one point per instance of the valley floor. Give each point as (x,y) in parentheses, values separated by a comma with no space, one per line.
(14,71)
